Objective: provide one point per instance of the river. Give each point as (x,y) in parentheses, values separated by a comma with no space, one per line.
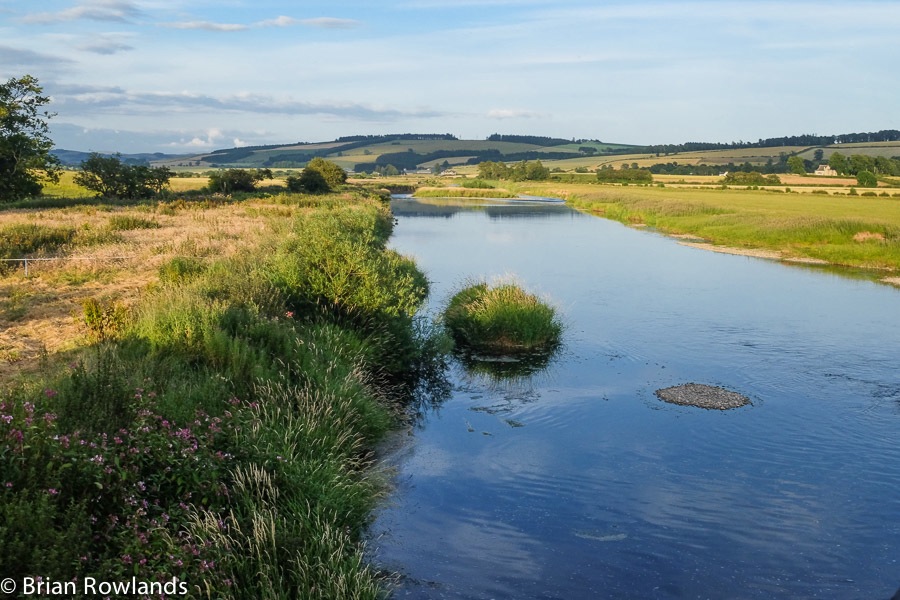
(578,482)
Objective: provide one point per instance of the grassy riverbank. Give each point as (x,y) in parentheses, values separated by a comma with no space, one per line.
(461,192)
(856,231)
(197,395)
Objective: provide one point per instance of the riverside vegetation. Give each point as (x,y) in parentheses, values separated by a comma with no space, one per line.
(861,231)
(501,319)
(214,419)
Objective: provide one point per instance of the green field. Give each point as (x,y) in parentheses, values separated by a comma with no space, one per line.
(458,152)
(853,231)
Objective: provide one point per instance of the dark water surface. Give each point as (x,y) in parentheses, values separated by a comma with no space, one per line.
(579,483)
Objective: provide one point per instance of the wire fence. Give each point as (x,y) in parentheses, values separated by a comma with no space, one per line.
(26,260)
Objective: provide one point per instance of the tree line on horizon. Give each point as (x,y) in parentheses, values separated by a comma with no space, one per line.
(885,135)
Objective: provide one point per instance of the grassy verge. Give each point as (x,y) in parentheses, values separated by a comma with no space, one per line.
(216,426)
(501,319)
(461,192)
(856,231)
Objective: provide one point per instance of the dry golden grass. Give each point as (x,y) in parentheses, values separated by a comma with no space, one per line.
(186,184)
(41,314)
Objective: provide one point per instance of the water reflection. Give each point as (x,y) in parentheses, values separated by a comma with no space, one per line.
(575,481)
(508,368)
(446,208)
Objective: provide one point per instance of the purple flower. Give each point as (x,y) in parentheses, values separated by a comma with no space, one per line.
(50,393)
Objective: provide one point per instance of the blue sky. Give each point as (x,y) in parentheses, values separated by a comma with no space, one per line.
(172,76)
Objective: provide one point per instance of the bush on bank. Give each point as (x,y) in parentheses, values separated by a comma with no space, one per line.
(221,433)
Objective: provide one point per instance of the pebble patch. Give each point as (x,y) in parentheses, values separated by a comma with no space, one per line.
(702,396)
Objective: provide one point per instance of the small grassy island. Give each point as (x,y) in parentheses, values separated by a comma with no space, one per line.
(503,319)
(467,188)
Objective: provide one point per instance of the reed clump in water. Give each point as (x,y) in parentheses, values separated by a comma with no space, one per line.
(501,319)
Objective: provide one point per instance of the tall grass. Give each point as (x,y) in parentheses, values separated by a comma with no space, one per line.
(223,433)
(462,192)
(503,319)
(130,222)
(20,240)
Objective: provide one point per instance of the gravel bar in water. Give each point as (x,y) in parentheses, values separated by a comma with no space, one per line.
(702,396)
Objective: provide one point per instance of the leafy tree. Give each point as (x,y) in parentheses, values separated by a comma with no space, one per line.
(838,162)
(624,176)
(886,166)
(236,180)
(818,154)
(493,170)
(332,172)
(109,177)
(387,170)
(25,159)
(529,171)
(866,179)
(797,165)
(751,178)
(310,181)
(860,163)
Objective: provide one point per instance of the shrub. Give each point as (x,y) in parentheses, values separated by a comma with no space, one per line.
(331,172)
(104,321)
(479,184)
(309,181)
(501,320)
(866,179)
(625,176)
(236,180)
(109,177)
(754,178)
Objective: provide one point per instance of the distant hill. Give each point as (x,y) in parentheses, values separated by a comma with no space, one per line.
(422,151)
(74,158)
(365,153)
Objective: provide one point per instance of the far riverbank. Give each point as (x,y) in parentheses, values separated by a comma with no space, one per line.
(861,232)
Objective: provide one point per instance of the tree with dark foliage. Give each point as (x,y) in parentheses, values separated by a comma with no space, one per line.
(25,159)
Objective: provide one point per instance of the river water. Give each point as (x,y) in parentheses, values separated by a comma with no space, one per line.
(578,482)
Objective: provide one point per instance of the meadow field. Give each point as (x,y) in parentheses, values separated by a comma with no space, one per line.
(837,228)
(192,388)
(458,151)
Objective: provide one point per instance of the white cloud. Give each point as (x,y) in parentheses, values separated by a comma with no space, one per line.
(105,45)
(73,99)
(330,23)
(513,113)
(206,25)
(95,10)
(281,21)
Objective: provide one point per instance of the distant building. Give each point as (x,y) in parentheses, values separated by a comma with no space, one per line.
(826,171)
